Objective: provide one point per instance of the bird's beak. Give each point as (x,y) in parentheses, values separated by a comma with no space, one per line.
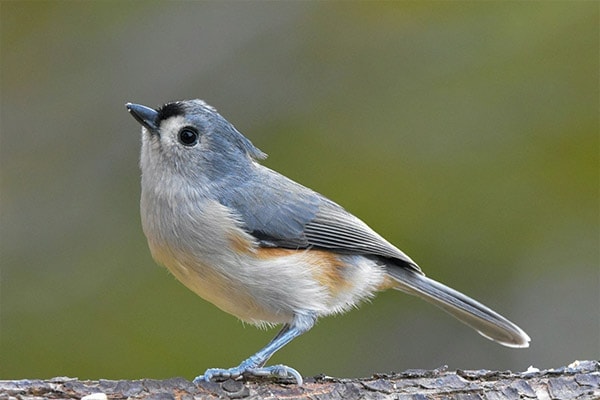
(144,115)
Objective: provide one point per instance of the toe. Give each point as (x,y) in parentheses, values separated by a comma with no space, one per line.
(276,371)
(217,373)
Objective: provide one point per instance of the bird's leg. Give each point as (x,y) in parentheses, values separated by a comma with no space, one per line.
(284,329)
(254,365)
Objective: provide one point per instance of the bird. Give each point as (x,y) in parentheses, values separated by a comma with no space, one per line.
(263,247)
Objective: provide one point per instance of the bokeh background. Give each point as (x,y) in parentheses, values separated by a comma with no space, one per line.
(464,132)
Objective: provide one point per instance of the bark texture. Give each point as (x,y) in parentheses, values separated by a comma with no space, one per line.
(579,380)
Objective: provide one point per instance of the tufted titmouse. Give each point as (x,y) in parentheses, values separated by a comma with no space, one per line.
(263,247)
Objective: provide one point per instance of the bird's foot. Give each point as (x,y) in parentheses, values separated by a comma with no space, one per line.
(274,371)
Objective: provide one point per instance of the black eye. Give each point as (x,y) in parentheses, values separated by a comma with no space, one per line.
(188,136)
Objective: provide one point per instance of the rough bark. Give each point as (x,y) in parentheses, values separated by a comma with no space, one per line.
(579,380)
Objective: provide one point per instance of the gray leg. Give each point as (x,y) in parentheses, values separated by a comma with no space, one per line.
(254,365)
(284,329)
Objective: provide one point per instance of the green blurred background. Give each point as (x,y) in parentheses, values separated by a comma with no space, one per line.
(464,132)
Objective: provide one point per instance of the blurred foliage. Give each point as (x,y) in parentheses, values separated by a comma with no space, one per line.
(464,132)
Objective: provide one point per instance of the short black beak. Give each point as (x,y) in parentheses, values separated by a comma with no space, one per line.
(144,115)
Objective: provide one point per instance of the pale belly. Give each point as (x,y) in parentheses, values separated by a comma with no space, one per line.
(271,285)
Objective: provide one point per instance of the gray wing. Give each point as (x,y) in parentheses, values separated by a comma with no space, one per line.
(282,213)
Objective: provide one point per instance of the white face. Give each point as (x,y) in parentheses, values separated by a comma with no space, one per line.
(176,150)
(175,135)
(169,130)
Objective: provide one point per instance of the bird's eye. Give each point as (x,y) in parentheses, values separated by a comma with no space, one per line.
(188,137)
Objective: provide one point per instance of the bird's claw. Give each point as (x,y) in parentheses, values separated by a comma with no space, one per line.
(275,371)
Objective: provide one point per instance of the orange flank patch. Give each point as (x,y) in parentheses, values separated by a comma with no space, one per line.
(330,271)
(273,252)
(240,243)
(327,267)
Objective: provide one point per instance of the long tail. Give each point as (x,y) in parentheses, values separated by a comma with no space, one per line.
(479,317)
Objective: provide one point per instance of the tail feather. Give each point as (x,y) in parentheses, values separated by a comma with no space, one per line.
(479,317)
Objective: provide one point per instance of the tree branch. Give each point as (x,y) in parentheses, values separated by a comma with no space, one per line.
(579,380)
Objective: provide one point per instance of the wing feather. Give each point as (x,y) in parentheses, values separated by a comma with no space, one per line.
(279,212)
(335,228)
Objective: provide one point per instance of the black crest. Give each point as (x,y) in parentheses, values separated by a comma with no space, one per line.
(170,110)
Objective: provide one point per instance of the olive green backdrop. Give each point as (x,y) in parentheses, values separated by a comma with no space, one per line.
(464,132)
